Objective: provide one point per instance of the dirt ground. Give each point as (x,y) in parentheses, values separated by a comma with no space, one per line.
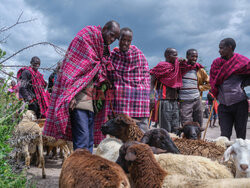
(53,167)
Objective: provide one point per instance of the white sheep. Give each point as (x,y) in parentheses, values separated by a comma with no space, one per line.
(192,166)
(222,141)
(26,138)
(109,148)
(240,152)
(146,172)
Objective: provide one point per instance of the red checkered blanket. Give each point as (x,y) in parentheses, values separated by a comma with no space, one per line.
(83,60)
(38,84)
(221,69)
(131,82)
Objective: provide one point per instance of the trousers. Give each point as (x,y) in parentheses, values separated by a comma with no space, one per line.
(82,122)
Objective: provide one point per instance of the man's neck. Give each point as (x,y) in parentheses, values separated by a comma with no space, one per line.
(229,56)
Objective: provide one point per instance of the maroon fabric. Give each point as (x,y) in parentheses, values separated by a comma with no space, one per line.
(185,67)
(38,84)
(167,73)
(221,69)
(83,60)
(171,74)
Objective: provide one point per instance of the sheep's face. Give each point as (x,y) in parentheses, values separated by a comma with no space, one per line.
(240,152)
(160,138)
(117,126)
(122,153)
(191,131)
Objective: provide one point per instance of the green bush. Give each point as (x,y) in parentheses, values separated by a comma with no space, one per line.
(9,117)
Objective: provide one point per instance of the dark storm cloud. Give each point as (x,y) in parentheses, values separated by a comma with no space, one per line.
(156,25)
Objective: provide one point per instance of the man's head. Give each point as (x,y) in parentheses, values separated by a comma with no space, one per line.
(35,63)
(192,56)
(226,48)
(13,83)
(110,32)
(126,36)
(170,55)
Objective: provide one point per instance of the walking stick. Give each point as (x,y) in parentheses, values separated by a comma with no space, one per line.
(151,113)
(209,119)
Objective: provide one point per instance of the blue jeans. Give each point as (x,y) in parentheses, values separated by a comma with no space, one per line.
(82,122)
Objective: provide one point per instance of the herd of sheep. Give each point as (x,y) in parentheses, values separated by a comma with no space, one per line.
(132,158)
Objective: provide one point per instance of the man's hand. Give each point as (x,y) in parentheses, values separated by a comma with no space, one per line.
(72,104)
(181,60)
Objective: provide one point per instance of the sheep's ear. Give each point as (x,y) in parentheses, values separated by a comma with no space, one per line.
(227,153)
(145,139)
(158,150)
(179,131)
(229,143)
(130,156)
(127,120)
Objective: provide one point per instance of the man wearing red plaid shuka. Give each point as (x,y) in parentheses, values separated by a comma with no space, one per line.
(32,87)
(71,112)
(131,80)
(229,74)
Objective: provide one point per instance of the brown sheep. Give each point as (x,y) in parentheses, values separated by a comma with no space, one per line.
(123,127)
(199,148)
(82,169)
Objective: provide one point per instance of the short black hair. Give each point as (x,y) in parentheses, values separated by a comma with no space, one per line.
(229,42)
(168,51)
(126,29)
(33,59)
(110,24)
(190,50)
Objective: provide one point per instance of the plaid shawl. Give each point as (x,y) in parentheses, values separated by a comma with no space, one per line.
(38,84)
(83,60)
(221,69)
(171,74)
(167,73)
(131,82)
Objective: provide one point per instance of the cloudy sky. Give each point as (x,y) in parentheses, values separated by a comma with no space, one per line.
(157,25)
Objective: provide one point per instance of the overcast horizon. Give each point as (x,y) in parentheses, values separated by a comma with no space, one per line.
(156,26)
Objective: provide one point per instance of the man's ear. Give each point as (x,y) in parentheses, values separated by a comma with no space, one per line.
(130,156)
(227,153)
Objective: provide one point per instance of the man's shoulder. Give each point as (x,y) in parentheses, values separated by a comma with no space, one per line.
(134,48)
(89,30)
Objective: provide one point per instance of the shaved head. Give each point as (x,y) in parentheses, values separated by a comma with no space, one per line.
(229,42)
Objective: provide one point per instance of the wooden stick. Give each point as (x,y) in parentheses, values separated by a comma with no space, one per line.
(151,113)
(209,119)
